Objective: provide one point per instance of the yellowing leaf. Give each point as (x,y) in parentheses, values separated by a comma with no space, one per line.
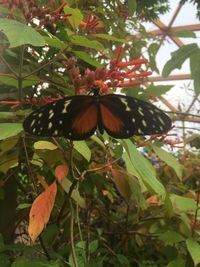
(9,129)
(142,168)
(121,183)
(169,159)
(76,16)
(66,185)
(83,149)
(45,145)
(193,248)
(61,171)
(41,210)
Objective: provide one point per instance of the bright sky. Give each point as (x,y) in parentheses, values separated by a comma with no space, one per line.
(178,96)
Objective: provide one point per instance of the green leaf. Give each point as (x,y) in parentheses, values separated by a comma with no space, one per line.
(20,34)
(153,48)
(123,260)
(12,81)
(86,42)
(157,90)
(16,247)
(194,248)
(44,145)
(144,170)
(98,141)
(8,144)
(93,246)
(169,159)
(86,57)
(108,37)
(4,260)
(185,34)
(171,237)
(76,16)
(132,5)
(177,263)
(83,149)
(27,262)
(8,161)
(55,42)
(178,58)
(9,129)
(169,207)
(66,184)
(7,115)
(23,206)
(195,70)
(137,195)
(50,232)
(183,204)
(129,165)
(136,189)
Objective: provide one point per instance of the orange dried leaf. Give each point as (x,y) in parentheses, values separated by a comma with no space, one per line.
(41,210)
(105,192)
(121,183)
(61,171)
(153,200)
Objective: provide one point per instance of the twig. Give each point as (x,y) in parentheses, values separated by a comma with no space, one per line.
(8,66)
(192,103)
(197,209)
(72,235)
(44,248)
(99,168)
(71,187)
(20,79)
(31,176)
(66,200)
(182,113)
(47,63)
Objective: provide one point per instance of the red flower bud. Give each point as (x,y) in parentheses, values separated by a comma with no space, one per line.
(90,78)
(132,62)
(100,73)
(129,84)
(71,62)
(75,72)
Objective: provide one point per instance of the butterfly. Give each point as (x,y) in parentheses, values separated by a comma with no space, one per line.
(78,117)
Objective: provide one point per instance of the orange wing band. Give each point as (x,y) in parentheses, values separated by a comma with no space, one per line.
(85,121)
(110,120)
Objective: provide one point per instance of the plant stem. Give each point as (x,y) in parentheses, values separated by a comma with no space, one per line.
(8,66)
(20,78)
(72,235)
(47,63)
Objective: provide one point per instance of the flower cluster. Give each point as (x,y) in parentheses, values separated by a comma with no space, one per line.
(91,24)
(29,101)
(163,138)
(31,11)
(118,74)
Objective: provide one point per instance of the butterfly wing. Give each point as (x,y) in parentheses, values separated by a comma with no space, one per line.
(124,116)
(72,117)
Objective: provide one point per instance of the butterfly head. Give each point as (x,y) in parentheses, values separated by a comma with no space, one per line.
(96,90)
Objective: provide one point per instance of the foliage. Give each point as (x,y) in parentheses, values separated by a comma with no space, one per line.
(150,10)
(100,202)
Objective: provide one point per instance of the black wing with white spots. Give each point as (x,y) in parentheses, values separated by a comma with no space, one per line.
(72,117)
(77,117)
(135,117)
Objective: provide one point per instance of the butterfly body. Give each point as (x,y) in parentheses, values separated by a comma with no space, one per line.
(78,117)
